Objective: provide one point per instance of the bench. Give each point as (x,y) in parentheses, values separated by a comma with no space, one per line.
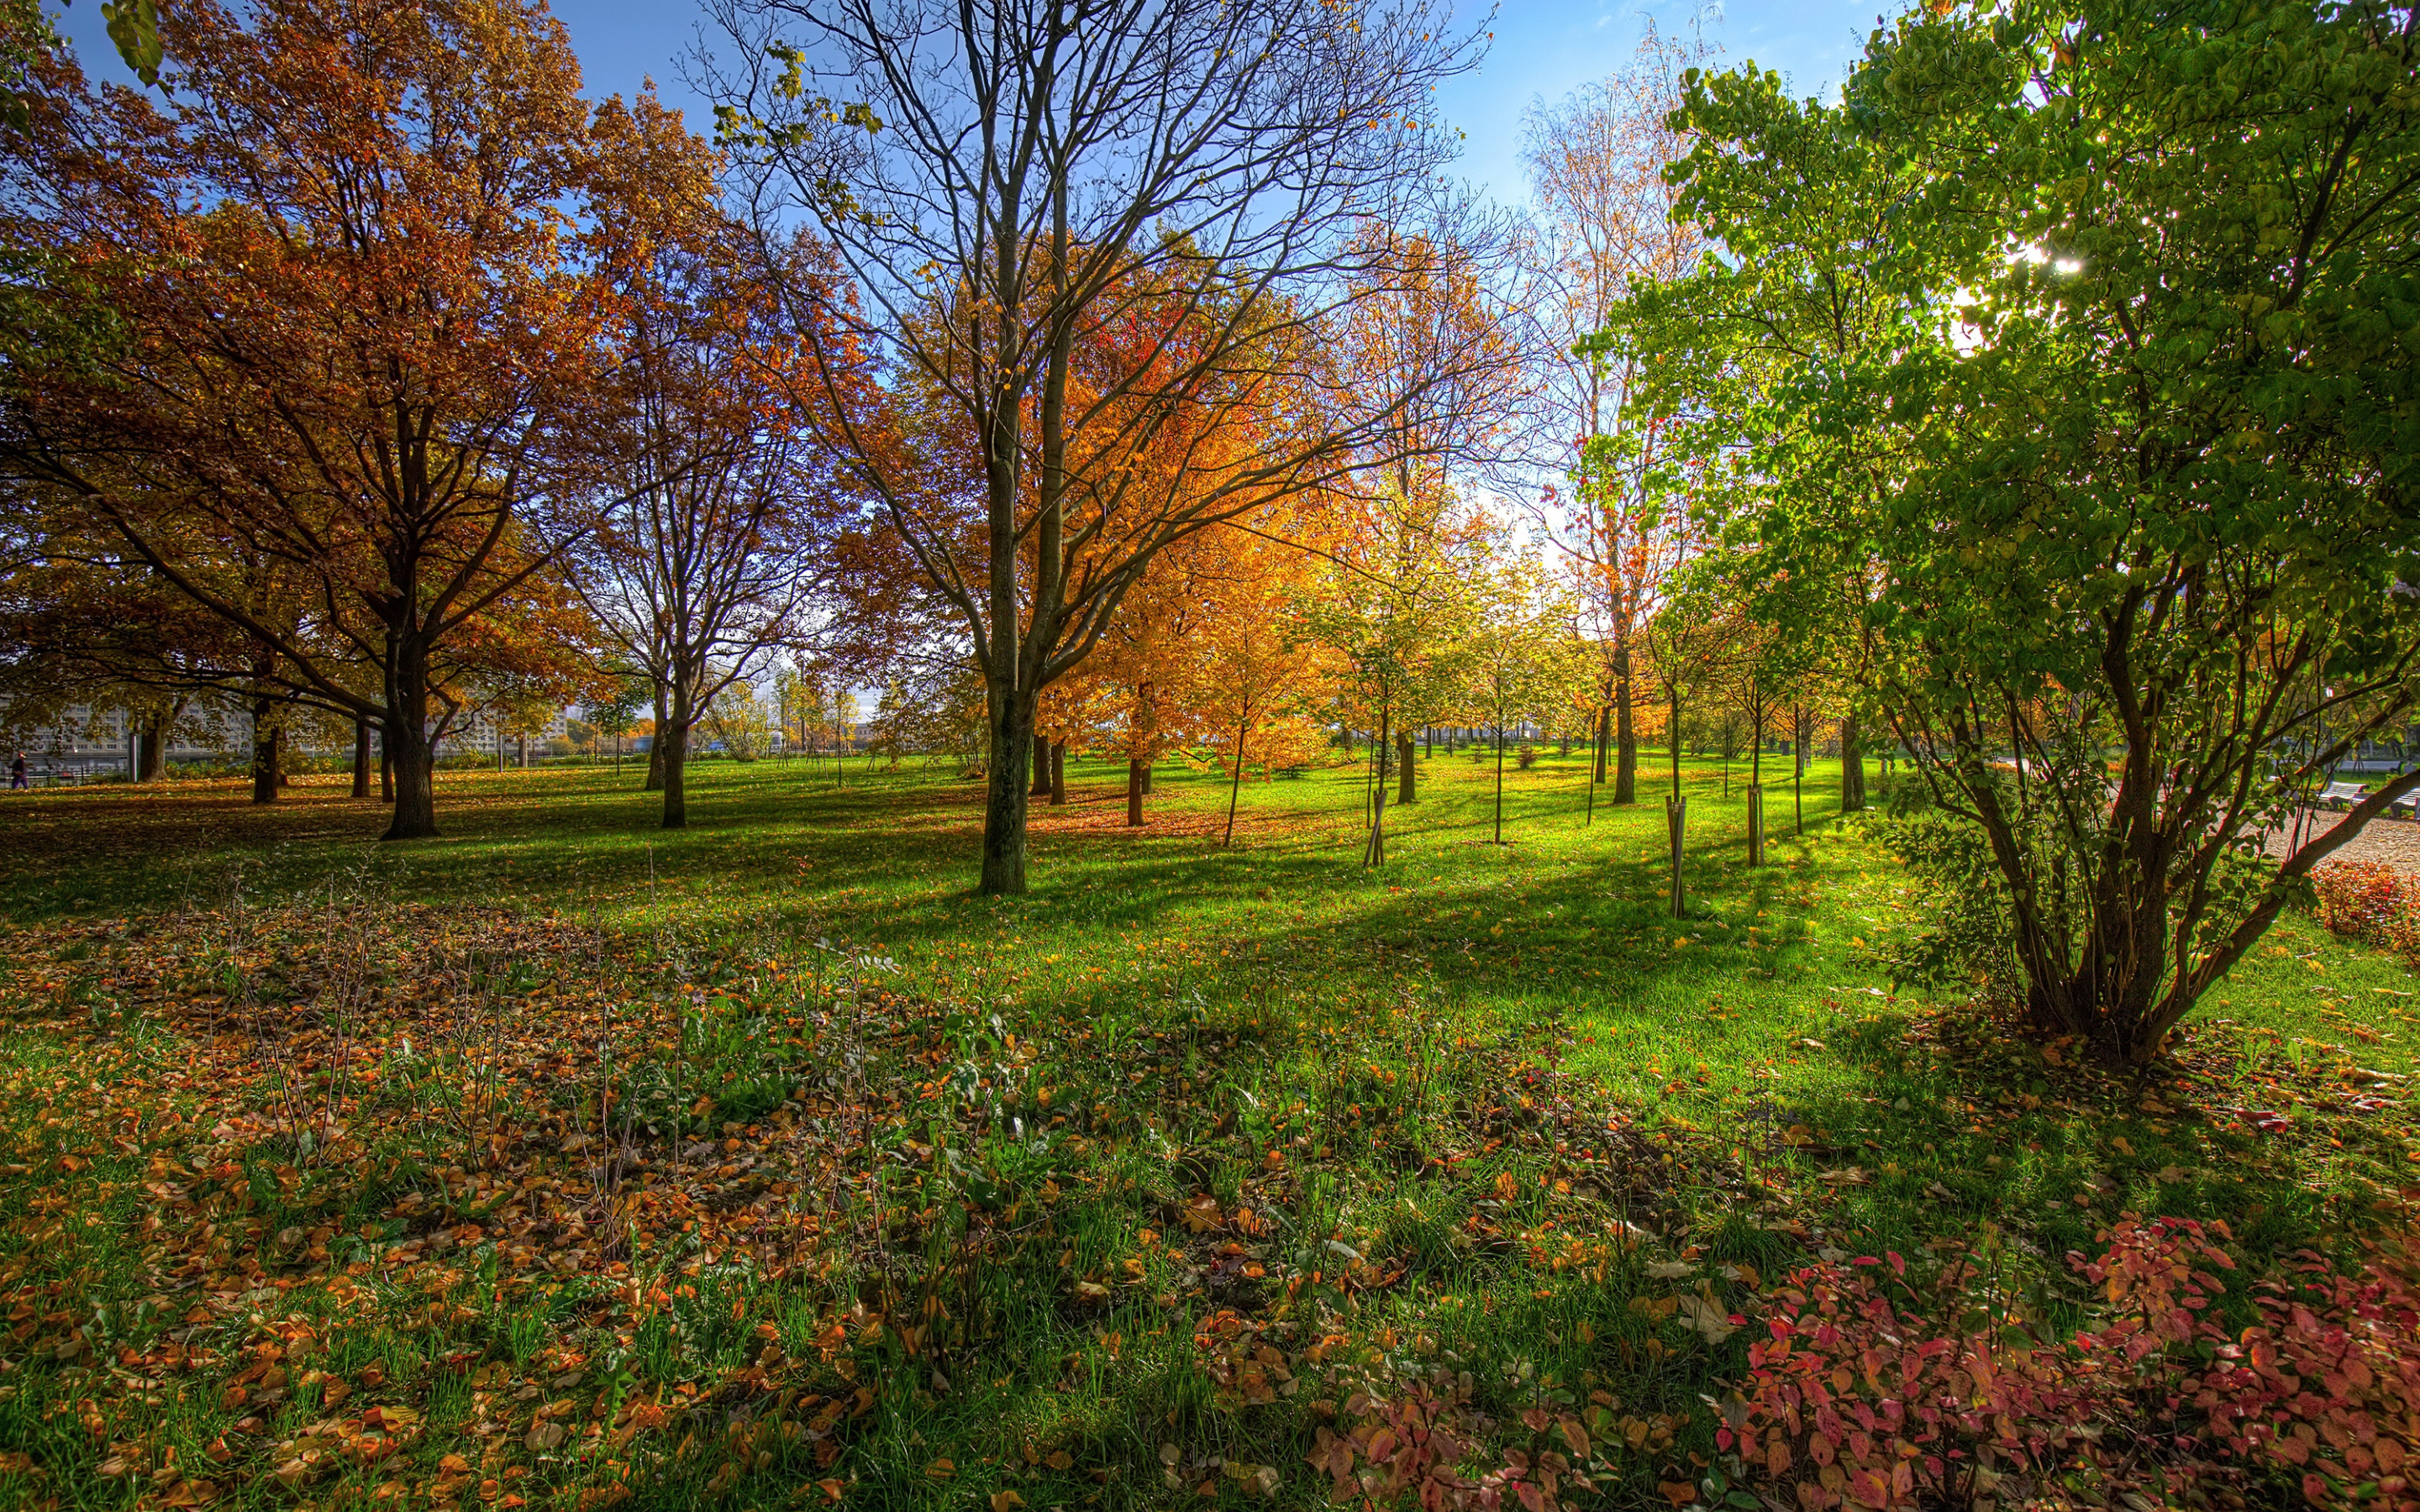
(2341,795)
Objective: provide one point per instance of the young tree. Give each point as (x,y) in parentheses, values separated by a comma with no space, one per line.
(1261,668)
(2134,504)
(350,323)
(1520,651)
(1605,220)
(1084,241)
(616,712)
(720,521)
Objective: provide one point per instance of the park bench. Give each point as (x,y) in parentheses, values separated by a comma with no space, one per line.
(2342,795)
(1294,770)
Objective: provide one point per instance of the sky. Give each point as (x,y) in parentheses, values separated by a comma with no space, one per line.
(1541,49)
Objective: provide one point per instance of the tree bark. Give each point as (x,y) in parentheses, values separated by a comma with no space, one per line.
(1138,784)
(1499,784)
(361,756)
(408,743)
(671,738)
(655,748)
(1058,773)
(1408,785)
(1009,739)
(1625,729)
(1236,782)
(1041,766)
(386,770)
(1852,764)
(265,753)
(151,755)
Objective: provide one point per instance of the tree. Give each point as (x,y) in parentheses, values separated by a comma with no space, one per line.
(1605,220)
(1519,651)
(617,712)
(1260,667)
(740,722)
(718,518)
(349,325)
(1084,241)
(1396,608)
(2134,506)
(1401,530)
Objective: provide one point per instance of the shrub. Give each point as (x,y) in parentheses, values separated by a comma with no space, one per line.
(2363,900)
(1526,756)
(1864,1396)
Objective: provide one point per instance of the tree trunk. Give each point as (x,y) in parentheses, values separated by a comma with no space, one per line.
(671,737)
(1499,784)
(1236,782)
(523,754)
(1676,823)
(265,753)
(386,769)
(1603,735)
(1138,784)
(1625,730)
(1852,764)
(1408,785)
(406,733)
(655,748)
(1675,742)
(1147,768)
(1009,743)
(1058,773)
(151,755)
(1041,766)
(361,756)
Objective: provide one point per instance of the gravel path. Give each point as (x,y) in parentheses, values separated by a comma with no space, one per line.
(2394,842)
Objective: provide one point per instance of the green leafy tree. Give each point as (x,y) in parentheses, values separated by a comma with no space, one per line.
(2078,344)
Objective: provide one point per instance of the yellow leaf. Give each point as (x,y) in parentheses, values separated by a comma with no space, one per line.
(940,1469)
(1002,1501)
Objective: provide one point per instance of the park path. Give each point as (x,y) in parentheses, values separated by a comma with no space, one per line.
(2394,842)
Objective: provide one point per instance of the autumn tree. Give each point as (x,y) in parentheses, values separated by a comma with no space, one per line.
(1520,651)
(351,324)
(1176,190)
(1262,670)
(1401,530)
(718,516)
(1604,220)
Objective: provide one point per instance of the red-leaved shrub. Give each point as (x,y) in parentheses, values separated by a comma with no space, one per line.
(1872,1394)
(2363,900)
(1864,1396)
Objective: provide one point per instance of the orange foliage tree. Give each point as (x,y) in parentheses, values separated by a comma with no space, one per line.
(351,324)
(1080,241)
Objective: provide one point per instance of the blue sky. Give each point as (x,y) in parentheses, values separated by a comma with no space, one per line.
(1541,49)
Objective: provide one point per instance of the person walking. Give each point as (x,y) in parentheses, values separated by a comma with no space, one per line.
(18,781)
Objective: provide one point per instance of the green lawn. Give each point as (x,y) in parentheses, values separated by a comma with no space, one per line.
(909,1176)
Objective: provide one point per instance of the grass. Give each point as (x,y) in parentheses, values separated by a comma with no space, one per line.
(766,1161)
